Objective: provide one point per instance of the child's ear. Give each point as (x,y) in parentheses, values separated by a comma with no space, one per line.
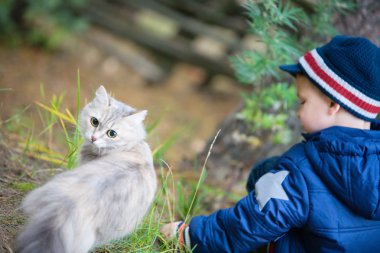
(334,108)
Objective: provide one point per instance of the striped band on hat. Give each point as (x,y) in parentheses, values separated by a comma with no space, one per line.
(339,90)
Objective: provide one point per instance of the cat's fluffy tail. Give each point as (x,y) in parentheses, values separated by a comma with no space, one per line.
(47,211)
(55,225)
(40,236)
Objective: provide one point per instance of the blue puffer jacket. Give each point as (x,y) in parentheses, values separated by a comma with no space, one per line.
(322,196)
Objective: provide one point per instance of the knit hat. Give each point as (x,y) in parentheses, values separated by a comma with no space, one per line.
(347,69)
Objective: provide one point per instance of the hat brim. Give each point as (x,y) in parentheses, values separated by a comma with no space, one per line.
(292,69)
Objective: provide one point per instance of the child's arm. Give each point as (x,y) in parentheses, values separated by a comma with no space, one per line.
(278,203)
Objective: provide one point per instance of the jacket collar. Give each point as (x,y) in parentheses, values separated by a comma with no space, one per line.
(374,132)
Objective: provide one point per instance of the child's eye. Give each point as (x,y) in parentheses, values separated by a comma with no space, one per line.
(94,122)
(111,133)
(301,101)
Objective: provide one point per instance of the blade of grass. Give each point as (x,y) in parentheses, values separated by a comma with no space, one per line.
(78,93)
(153,125)
(47,158)
(167,199)
(17,115)
(57,113)
(201,177)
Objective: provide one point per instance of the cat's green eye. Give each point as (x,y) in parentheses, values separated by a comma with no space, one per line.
(94,122)
(111,133)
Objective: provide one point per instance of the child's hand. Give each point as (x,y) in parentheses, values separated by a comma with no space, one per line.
(179,230)
(170,230)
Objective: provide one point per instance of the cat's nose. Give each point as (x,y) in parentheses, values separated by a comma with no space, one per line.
(93,139)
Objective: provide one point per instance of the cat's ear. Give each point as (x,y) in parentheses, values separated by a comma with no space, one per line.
(101,96)
(138,116)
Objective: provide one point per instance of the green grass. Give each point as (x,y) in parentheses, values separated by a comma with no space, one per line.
(23,186)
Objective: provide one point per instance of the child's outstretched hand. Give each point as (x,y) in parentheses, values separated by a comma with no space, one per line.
(169,231)
(177,230)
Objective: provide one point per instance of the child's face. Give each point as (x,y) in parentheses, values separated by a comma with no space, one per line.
(313,111)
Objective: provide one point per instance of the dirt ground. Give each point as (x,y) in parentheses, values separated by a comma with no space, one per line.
(15,179)
(10,217)
(177,100)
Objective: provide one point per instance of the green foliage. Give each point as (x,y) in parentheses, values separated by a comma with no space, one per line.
(188,198)
(266,109)
(44,23)
(24,186)
(284,30)
(51,115)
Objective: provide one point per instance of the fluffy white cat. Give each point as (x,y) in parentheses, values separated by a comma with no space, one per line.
(106,196)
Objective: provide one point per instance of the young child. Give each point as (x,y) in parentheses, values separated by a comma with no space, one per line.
(323,194)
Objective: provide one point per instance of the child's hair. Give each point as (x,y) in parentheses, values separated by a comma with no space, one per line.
(347,70)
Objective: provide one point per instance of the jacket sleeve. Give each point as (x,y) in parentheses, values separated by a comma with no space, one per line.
(278,203)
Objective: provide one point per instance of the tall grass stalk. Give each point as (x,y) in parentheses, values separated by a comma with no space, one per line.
(165,190)
(201,178)
(175,202)
(73,140)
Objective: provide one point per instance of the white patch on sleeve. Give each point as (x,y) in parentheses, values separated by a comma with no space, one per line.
(270,186)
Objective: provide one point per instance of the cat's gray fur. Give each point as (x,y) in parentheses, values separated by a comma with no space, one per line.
(105,197)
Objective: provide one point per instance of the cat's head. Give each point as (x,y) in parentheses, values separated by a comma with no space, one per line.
(108,124)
